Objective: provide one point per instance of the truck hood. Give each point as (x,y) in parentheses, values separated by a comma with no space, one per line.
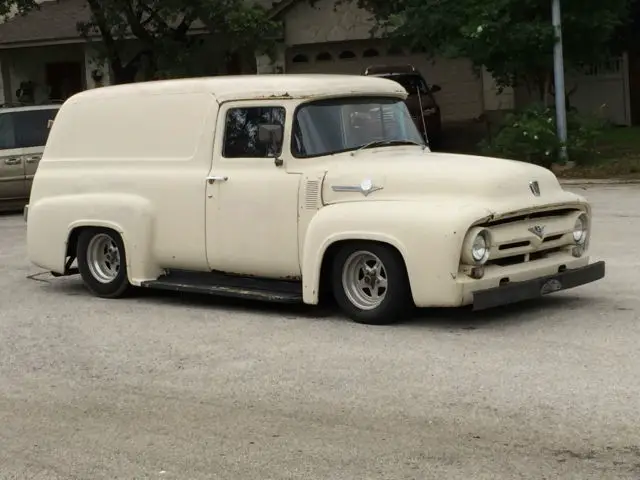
(396,174)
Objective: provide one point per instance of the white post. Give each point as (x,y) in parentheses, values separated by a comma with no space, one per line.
(558,72)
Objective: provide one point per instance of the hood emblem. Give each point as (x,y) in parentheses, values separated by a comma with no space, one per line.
(366,187)
(538,231)
(534,186)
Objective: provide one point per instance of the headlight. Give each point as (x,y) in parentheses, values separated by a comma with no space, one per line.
(479,248)
(476,247)
(581,229)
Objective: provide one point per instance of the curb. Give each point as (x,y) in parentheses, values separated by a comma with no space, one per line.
(601,181)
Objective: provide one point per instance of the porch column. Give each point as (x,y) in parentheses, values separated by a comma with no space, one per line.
(6,95)
(97,72)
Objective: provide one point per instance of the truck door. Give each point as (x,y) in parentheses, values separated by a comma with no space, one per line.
(252,203)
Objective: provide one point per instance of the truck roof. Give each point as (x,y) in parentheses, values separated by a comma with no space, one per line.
(248,87)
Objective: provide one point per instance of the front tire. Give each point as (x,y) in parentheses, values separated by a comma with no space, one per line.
(370,283)
(102,263)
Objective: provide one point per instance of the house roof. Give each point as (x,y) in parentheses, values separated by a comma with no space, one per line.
(56,21)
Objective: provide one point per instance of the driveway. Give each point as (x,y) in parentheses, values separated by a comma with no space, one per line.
(182,387)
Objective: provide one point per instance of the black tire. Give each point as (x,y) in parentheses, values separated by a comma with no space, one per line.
(116,287)
(397,303)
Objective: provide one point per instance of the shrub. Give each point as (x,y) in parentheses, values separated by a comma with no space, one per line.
(530,135)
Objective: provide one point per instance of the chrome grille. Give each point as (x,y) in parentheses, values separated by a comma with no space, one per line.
(532,236)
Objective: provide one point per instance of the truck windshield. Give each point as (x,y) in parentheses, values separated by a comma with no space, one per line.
(337,125)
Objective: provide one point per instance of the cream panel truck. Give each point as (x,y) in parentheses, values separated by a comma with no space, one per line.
(290,188)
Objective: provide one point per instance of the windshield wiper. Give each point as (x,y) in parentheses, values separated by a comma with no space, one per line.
(384,143)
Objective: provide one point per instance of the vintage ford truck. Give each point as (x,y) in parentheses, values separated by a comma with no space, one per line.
(291,188)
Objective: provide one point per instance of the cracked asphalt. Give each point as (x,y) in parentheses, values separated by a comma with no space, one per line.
(165,386)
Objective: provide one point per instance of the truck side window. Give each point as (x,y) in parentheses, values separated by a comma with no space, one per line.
(241,132)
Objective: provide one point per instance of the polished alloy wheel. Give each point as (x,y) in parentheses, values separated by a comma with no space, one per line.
(103,258)
(364,280)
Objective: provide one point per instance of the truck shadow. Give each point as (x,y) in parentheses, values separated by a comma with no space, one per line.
(438,318)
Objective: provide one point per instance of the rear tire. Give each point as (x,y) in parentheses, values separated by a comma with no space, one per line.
(370,283)
(102,262)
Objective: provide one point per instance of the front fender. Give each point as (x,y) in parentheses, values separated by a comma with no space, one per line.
(52,219)
(427,235)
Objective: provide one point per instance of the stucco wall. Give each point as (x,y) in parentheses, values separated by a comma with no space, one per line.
(324,21)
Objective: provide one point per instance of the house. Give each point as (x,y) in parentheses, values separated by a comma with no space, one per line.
(45,48)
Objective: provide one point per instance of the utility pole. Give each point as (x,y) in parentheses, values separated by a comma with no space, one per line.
(558,73)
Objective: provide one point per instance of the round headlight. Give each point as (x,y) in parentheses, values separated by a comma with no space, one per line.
(476,247)
(479,247)
(581,229)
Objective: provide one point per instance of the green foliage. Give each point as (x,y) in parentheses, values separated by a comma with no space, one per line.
(513,38)
(530,135)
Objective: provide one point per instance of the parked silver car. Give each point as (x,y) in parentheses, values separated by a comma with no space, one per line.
(23,135)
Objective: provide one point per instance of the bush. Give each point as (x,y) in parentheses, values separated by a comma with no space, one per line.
(530,135)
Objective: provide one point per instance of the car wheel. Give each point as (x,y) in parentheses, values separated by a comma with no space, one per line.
(102,262)
(370,283)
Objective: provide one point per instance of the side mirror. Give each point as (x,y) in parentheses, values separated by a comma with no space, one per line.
(435,88)
(270,133)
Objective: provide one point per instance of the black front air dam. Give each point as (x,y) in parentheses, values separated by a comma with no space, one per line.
(536,288)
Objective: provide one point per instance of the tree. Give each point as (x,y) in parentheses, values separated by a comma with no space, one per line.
(166,45)
(152,39)
(512,39)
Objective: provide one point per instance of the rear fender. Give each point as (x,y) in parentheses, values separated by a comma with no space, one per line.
(52,220)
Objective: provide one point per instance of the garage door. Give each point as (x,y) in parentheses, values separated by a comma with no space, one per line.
(461,95)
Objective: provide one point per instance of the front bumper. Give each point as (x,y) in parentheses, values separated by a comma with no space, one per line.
(537,287)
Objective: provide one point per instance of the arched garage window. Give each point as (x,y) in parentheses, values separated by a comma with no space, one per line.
(370,52)
(300,58)
(395,51)
(323,57)
(347,55)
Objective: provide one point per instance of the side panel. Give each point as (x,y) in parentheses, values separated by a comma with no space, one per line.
(428,240)
(136,162)
(51,222)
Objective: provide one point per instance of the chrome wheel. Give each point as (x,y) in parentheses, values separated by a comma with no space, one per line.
(364,280)
(103,258)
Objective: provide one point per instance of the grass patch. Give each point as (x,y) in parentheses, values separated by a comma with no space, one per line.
(618,156)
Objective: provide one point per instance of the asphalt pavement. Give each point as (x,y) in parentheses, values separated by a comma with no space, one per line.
(168,386)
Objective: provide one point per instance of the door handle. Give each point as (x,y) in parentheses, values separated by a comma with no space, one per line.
(217,178)
(34,158)
(13,161)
